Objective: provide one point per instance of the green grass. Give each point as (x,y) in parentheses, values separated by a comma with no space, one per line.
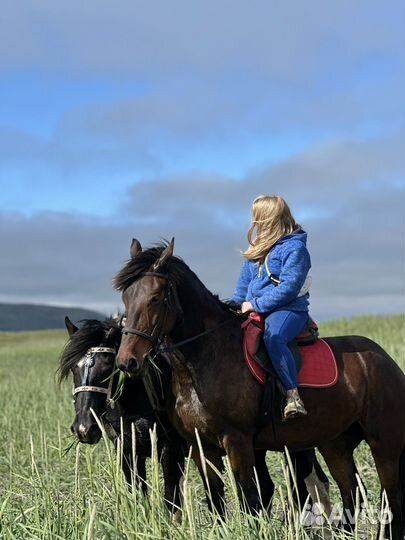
(46,493)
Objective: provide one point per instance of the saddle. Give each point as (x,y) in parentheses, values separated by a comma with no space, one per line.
(315,362)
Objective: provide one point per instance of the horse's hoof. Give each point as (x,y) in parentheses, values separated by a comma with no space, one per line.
(177,516)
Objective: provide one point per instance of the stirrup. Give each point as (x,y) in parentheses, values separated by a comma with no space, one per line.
(293,409)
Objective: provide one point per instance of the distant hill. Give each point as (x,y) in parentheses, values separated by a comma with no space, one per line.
(16,317)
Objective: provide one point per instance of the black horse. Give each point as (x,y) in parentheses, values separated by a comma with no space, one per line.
(90,356)
(96,343)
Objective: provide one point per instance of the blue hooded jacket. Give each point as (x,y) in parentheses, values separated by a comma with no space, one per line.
(288,261)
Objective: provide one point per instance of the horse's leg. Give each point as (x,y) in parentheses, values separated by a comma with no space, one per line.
(338,455)
(134,472)
(310,480)
(391,471)
(128,468)
(240,452)
(213,484)
(265,482)
(140,474)
(173,468)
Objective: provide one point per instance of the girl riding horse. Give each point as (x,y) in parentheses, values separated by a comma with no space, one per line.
(274,283)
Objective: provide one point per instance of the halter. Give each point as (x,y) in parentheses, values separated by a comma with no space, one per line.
(89,362)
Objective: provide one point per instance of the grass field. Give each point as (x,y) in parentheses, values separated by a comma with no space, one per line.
(46,493)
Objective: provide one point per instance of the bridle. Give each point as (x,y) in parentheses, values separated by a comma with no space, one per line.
(89,361)
(155,337)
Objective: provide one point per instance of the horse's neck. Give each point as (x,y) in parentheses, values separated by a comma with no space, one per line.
(201,311)
(208,355)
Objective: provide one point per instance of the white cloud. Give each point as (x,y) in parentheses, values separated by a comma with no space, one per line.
(357,245)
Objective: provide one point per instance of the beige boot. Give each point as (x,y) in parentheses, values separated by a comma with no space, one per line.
(294,407)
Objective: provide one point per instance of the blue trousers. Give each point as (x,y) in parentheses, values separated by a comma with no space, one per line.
(282,327)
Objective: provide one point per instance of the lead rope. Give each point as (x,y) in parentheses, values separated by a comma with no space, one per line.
(197,336)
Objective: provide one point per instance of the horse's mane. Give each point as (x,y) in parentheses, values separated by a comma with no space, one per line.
(90,334)
(178,272)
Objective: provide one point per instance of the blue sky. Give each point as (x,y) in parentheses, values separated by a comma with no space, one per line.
(154,120)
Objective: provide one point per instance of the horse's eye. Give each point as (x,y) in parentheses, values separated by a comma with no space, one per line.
(155,299)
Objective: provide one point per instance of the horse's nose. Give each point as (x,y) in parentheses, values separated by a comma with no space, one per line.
(82,432)
(88,434)
(128,365)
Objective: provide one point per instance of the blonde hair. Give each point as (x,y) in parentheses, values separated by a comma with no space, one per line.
(271,220)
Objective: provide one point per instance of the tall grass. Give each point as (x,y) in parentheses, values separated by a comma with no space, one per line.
(47,492)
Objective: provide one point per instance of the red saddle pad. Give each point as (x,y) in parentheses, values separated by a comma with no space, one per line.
(319,368)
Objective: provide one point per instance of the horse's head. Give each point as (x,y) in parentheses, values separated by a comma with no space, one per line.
(151,302)
(90,357)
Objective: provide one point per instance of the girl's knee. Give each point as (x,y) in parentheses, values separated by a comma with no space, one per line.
(275,340)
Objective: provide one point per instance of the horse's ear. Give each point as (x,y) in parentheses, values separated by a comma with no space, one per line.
(70,327)
(135,248)
(165,257)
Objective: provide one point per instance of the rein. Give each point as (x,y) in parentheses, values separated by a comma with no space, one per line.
(171,348)
(155,336)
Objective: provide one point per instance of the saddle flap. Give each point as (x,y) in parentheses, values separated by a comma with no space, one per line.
(315,362)
(253,329)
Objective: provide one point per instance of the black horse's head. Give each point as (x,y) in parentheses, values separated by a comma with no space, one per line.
(90,356)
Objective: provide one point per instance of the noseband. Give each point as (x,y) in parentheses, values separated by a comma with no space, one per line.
(89,361)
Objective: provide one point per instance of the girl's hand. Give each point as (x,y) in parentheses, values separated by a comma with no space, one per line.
(246,307)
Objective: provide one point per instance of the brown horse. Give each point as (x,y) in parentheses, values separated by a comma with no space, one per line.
(214,393)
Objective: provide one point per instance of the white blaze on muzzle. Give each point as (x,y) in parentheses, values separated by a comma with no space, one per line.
(82,429)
